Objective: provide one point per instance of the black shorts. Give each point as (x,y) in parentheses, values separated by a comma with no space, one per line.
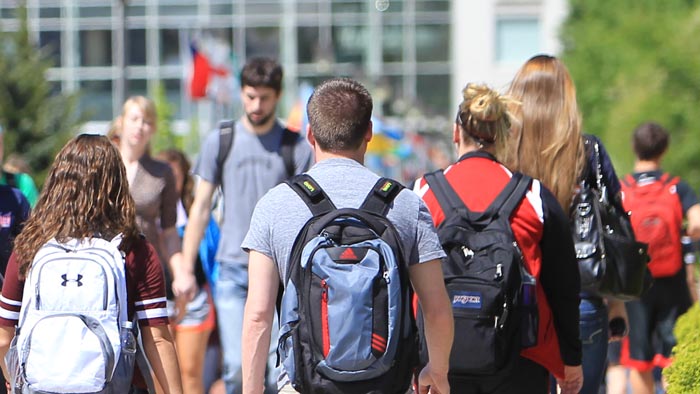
(527,377)
(652,319)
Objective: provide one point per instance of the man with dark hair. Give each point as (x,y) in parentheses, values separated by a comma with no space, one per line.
(251,165)
(658,202)
(339,131)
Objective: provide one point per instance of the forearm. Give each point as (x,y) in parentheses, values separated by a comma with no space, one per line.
(194,231)
(172,245)
(257,329)
(439,334)
(160,350)
(6,335)
(690,279)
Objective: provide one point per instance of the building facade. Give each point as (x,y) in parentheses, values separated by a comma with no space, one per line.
(414,55)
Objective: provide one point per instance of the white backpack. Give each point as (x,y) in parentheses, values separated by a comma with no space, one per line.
(73,309)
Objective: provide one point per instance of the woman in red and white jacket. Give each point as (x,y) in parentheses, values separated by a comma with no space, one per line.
(541,230)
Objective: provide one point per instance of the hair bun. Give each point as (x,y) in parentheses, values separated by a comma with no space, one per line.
(485,105)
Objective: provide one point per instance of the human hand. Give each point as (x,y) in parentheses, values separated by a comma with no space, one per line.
(433,382)
(185,287)
(573,380)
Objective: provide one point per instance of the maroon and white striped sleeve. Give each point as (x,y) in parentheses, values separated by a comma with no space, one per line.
(11,298)
(148,285)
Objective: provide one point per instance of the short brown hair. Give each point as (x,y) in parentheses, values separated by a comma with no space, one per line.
(340,111)
(650,141)
(262,72)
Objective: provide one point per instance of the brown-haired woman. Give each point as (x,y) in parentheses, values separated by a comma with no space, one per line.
(539,226)
(87,193)
(547,143)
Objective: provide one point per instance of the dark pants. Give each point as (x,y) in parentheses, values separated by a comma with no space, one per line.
(526,377)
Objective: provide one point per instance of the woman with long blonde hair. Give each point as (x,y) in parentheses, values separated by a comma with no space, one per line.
(547,143)
(86,195)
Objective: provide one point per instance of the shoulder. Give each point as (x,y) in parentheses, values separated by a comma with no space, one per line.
(156,168)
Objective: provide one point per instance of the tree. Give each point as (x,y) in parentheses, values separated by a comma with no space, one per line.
(635,61)
(37,121)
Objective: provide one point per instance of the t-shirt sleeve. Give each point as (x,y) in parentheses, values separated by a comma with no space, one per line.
(205,166)
(427,241)
(146,274)
(687,196)
(25,183)
(169,197)
(259,234)
(11,299)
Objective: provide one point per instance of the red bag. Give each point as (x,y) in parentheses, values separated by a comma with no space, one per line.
(657,217)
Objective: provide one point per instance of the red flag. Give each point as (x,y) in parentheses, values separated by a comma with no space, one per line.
(201,73)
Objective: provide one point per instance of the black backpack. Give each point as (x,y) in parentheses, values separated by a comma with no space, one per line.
(484,275)
(346,318)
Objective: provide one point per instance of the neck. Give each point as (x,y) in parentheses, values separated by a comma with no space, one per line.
(358,155)
(464,147)
(646,165)
(259,129)
(131,154)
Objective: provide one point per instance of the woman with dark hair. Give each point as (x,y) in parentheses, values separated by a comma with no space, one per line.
(86,195)
(547,143)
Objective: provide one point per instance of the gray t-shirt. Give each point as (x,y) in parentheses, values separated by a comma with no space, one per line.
(280,214)
(253,167)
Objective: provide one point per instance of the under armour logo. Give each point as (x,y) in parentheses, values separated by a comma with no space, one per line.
(66,280)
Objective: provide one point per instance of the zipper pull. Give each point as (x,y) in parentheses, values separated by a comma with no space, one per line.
(499,271)
(386,277)
(468,253)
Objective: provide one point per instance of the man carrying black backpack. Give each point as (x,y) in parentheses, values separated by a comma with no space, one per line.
(348,246)
(511,272)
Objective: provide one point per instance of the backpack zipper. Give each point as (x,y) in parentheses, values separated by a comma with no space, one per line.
(324,318)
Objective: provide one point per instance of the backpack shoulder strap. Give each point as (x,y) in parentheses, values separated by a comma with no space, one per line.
(444,193)
(226,130)
(628,181)
(508,199)
(381,196)
(289,140)
(311,193)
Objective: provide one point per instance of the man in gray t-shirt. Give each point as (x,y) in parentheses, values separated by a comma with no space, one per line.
(339,130)
(252,167)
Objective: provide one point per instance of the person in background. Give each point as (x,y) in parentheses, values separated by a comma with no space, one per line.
(19,180)
(339,131)
(86,193)
(254,165)
(197,321)
(540,228)
(547,144)
(654,315)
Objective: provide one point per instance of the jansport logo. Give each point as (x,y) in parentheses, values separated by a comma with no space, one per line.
(466,300)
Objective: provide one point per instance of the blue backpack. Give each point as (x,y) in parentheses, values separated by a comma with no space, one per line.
(346,318)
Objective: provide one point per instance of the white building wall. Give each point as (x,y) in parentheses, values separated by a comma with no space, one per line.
(475,35)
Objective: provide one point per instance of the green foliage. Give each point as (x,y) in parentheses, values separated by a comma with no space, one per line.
(683,376)
(36,120)
(165,137)
(635,61)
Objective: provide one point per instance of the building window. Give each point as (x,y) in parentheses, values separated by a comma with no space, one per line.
(517,39)
(433,43)
(392,43)
(349,43)
(307,44)
(50,41)
(434,97)
(170,47)
(262,41)
(95,48)
(137,47)
(96,99)
(137,87)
